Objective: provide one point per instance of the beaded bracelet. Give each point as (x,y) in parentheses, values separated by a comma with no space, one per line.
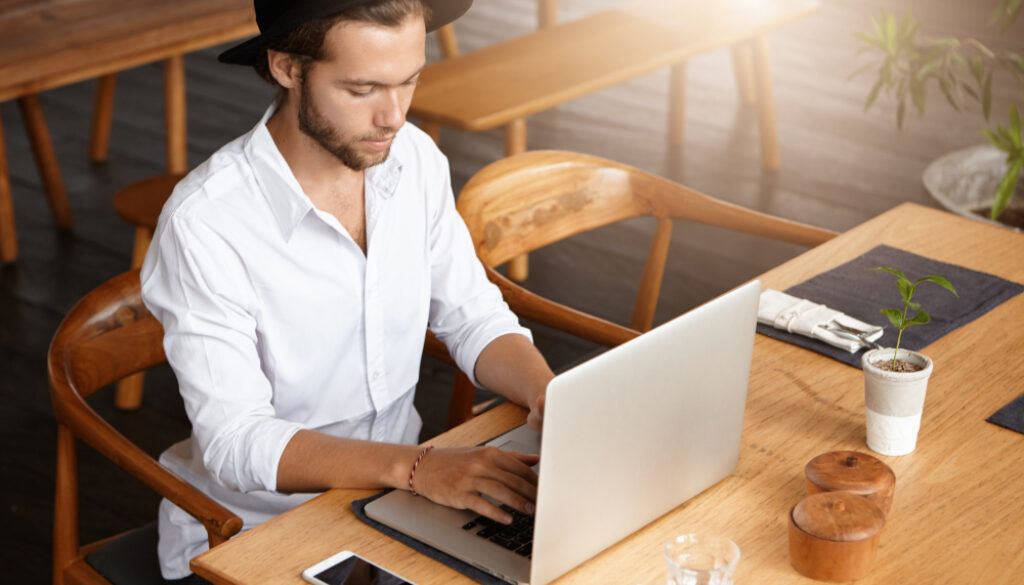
(412,473)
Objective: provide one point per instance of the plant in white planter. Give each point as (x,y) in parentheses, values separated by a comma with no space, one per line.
(895,380)
(962,69)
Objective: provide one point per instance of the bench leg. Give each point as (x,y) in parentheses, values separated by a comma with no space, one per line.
(102,113)
(46,160)
(677,104)
(766,105)
(515,143)
(8,235)
(743,68)
(547,13)
(448,41)
(174,109)
(128,393)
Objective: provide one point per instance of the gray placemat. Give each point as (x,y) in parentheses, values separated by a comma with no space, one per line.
(860,293)
(1010,416)
(359,507)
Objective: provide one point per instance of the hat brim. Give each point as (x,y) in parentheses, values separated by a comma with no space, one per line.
(442,12)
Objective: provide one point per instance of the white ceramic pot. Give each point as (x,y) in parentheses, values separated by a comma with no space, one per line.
(966,180)
(894,401)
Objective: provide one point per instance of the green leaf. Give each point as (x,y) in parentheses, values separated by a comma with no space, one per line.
(891,271)
(978,69)
(874,25)
(1005,190)
(906,289)
(1014,125)
(930,67)
(996,140)
(895,317)
(919,319)
(914,306)
(939,281)
(1007,137)
(890,33)
(970,91)
(944,86)
(871,40)
(917,94)
(986,95)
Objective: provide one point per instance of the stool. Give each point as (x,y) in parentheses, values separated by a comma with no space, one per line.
(139,204)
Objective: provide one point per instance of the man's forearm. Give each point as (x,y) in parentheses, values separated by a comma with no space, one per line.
(314,462)
(511,366)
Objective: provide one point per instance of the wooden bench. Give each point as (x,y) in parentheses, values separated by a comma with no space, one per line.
(499,86)
(49,43)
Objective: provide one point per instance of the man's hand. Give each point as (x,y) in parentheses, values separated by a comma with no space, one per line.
(461,477)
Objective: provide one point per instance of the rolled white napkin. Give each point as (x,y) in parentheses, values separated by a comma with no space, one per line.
(804,317)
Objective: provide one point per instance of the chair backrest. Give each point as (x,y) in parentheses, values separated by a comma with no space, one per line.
(108,335)
(527,201)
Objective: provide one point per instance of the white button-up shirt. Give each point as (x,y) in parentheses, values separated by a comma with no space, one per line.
(275,321)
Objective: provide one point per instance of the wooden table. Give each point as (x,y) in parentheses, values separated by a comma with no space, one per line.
(49,43)
(958,513)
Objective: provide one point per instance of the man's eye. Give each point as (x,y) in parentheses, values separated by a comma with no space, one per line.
(360,92)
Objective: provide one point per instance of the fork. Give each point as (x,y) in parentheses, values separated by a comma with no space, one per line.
(854,334)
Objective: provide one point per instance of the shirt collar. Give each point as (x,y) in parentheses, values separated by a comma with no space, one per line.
(288,203)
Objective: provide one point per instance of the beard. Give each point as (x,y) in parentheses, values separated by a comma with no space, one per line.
(314,124)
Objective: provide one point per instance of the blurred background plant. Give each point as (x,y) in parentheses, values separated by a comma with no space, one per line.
(961,68)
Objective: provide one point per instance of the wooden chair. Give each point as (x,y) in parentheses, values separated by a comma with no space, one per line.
(530,200)
(107,336)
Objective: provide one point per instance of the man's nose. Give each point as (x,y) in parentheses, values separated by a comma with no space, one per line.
(391,113)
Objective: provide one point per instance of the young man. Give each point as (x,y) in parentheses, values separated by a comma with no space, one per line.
(296,271)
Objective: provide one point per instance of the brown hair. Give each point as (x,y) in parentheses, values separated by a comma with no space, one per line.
(306,41)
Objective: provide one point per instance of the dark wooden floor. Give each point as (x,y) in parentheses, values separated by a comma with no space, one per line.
(839,168)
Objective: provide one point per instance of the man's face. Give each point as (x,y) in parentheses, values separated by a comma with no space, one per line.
(354,101)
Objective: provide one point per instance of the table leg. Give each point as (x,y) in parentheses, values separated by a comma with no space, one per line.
(8,235)
(677,104)
(765,105)
(46,160)
(515,143)
(743,68)
(547,13)
(174,107)
(102,113)
(448,41)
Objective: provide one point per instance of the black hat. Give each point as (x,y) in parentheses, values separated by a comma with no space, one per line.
(276,17)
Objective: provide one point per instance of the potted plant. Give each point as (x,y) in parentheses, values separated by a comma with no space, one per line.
(895,380)
(978,181)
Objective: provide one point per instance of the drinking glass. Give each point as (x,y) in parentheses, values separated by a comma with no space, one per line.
(701,559)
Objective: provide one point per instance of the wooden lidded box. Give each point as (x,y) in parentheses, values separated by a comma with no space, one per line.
(833,536)
(852,471)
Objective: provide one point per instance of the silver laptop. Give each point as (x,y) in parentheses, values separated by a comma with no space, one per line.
(628,436)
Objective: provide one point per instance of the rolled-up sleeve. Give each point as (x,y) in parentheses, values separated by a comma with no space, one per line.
(467,311)
(207,310)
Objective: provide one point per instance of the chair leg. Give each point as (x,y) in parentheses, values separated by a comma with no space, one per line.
(677,104)
(547,13)
(8,234)
(102,113)
(46,160)
(743,68)
(128,393)
(770,159)
(515,143)
(174,107)
(461,407)
(448,41)
(65,508)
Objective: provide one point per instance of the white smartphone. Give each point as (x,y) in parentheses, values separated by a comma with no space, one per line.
(348,568)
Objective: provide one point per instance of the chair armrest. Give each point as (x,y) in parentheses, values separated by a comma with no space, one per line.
(681,202)
(537,308)
(84,423)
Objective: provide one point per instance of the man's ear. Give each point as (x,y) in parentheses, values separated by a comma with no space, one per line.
(285,67)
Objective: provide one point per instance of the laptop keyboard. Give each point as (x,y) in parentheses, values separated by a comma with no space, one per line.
(516,537)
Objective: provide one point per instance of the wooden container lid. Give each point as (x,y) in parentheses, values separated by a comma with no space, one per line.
(833,536)
(852,471)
